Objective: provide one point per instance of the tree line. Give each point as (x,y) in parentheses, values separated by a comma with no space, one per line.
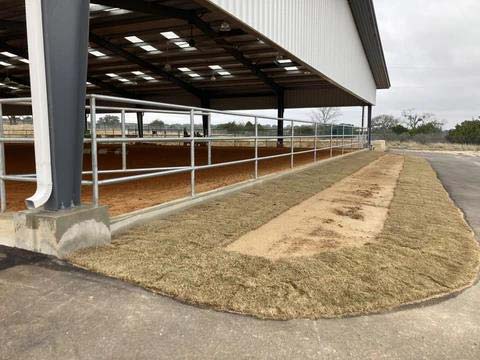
(423,127)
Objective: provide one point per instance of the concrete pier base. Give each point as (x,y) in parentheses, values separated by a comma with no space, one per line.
(63,232)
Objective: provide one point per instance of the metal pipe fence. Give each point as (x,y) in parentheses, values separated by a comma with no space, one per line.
(335,136)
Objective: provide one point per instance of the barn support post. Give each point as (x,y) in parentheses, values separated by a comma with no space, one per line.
(209,150)
(363,117)
(140,124)
(58,50)
(280,115)
(56,224)
(363,127)
(205,117)
(369,124)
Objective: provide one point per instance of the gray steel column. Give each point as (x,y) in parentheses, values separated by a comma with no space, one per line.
(280,115)
(140,124)
(369,122)
(363,117)
(65,34)
(205,105)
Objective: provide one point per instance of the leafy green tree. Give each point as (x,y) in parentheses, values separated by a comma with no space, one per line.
(430,127)
(157,124)
(249,126)
(109,120)
(399,129)
(467,132)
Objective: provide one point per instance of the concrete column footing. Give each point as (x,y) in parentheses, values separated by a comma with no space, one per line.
(63,232)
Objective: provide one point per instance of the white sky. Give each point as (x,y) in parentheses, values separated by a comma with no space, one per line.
(432,48)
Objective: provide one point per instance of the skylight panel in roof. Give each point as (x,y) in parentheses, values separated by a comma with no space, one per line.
(215,67)
(122,79)
(284,61)
(96,53)
(3,63)
(8,54)
(138,73)
(194,75)
(113,10)
(149,48)
(170,35)
(112,75)
(224,73)
(24,60)
(291,68)
(134,39)
(184,69)
(148,78)
(182,44)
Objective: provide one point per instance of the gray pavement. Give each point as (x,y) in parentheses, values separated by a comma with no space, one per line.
(50,311)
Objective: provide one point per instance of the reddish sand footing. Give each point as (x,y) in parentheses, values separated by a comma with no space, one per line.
(128,197)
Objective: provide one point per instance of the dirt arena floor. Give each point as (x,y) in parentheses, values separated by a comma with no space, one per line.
(131,196)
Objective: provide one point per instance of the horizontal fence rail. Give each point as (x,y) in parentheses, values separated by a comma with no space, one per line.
(333,137)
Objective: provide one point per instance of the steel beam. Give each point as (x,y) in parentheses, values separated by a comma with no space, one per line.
(102,85)
(140,124)
(148,8)
(193,18)
(280,115)
(58,45)
(104,43)
(205,121)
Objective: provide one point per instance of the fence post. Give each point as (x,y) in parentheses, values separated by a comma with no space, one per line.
(192,151)
(331,140)
(210,141)
(3,191)
(256,148)
(292,145)
(343,139)
(315,143)
(93,115)
(124,144)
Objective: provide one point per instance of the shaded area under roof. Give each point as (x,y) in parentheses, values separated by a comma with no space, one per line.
(205,64)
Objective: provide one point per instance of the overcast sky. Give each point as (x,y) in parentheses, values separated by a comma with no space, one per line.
(432,48)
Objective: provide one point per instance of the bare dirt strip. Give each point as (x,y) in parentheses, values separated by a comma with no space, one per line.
(350,213)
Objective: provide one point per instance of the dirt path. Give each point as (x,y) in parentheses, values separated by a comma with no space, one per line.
(350,213)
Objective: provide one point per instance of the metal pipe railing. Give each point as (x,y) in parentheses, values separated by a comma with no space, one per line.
(336,140)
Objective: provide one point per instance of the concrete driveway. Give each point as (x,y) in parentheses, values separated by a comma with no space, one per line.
(50,311)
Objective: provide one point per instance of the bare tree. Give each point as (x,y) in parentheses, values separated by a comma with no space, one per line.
(384,123)
(326,115)
(413,119)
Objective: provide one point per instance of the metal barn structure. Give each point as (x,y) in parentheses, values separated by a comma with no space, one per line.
(185,56)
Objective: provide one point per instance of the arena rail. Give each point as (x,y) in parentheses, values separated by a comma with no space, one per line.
(355,137)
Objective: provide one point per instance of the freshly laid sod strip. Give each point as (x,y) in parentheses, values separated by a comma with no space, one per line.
(425,250)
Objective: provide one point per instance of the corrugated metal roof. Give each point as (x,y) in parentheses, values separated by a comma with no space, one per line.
(364,14)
